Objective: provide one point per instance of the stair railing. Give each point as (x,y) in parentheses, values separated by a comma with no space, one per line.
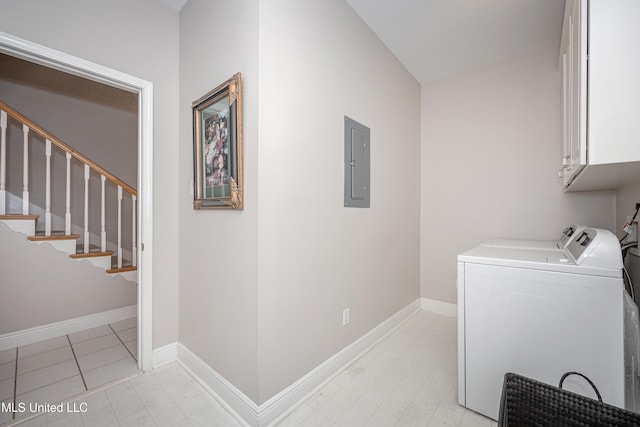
(89,165)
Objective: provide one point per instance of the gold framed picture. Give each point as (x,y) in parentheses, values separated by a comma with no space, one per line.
(217,147)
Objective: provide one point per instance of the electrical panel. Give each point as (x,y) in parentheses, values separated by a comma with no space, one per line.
(357,164)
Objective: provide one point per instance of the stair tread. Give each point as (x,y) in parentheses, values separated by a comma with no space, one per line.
(123,269)
(18,217)
(55,235)
(91,254)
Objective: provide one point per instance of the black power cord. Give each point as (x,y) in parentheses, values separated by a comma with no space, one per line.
(625,249)
(631,222)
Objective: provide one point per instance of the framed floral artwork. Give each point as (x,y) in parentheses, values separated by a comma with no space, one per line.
(217,147)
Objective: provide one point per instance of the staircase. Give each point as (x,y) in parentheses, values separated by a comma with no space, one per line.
(76,238)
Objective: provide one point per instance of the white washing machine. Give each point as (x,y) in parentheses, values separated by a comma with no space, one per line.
(567,235)
(541,313)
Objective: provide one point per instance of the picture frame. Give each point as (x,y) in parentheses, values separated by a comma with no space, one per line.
(217,147)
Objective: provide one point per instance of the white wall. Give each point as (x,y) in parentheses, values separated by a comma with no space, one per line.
(626,199)
(219,249)
(490,155)
(318,63)
(141,39)
(40,296)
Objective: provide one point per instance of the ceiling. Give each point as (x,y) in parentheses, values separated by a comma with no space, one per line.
(435,39)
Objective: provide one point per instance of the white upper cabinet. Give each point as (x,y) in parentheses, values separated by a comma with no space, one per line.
(600,64)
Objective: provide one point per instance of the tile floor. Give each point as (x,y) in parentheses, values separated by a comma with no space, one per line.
(67,366)
(408,379)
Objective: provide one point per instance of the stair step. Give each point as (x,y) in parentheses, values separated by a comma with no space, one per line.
(13,217)
(55,235)
(91,254)
(123,269)
(25,224)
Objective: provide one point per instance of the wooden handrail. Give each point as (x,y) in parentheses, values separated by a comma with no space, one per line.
(74,153)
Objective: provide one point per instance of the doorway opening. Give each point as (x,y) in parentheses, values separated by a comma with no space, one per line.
(141,94)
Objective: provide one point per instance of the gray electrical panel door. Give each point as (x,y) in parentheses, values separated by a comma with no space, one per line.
(357,164)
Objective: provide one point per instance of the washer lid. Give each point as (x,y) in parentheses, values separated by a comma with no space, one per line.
(537,259)
(523,244)
(568,235)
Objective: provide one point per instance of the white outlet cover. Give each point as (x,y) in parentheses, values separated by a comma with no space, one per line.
(346,317)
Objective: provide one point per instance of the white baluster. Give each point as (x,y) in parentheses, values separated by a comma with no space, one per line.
(25,169)
(47,200)
(103,229)
(134,255)
(67,213)
(119,226)
(87,172)
(3,162)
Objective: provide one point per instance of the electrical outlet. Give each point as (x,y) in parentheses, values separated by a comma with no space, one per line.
(346,317)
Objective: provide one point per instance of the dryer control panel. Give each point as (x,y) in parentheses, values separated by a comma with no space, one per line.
(594,247)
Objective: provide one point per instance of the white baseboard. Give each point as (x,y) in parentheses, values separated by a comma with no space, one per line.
(439,307)
(164,355)
(231,398)
(280,405)
(53,330)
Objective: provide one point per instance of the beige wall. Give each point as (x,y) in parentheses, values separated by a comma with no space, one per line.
(262,290)
(490,155)
(318,63)
(219,249)
(141,39)
(40,296)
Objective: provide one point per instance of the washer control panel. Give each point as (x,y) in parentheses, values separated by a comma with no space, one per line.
(569,233)
(594,247)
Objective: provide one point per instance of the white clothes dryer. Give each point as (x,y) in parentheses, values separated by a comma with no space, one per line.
(541,313)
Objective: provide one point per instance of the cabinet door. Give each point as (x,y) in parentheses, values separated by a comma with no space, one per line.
(603,134)
(577,65)
(614,83)
(566,116)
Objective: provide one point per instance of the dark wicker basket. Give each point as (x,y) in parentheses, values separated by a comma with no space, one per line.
(527,402)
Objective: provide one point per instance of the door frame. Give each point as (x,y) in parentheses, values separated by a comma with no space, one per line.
(32,52)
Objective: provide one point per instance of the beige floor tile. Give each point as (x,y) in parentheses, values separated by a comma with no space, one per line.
(89,334)
(96,344)
(42,346)
(106,374)
(125,324)
(42,360)
(7,356)
(45,376)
